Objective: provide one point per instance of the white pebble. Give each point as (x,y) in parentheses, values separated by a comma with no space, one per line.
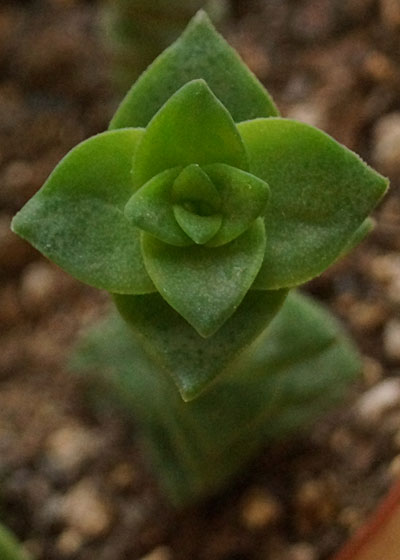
(379,399)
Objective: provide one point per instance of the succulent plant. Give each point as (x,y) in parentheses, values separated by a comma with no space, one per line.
(199,210)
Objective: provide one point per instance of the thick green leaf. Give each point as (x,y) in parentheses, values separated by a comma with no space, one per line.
(77,219)
(200,53)
(191,360)
(192,127)
(244,198)
(205,285)
(360,234)
(321,193)
(301,364)
(151,209)
(199,228)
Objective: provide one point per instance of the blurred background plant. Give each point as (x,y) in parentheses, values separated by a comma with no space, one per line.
(136,31)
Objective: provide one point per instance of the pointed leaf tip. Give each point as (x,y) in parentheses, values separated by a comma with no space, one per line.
(193,127)
(76,218)
(201,52)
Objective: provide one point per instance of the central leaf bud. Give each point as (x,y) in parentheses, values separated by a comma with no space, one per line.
(208,205)
(196,204)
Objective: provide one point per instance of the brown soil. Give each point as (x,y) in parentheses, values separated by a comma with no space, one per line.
(73,484)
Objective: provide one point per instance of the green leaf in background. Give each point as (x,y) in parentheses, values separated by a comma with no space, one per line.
(205,285)
(192,127)
(296,369)
(200,53)
(10,548)
(321,193)
(77,219)
(244,198)
(191,360)
(151,209)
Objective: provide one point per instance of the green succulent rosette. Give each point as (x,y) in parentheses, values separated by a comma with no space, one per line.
(201,198)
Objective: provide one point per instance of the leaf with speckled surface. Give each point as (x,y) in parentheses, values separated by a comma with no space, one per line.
(77,219)
(321,192)
(193,361)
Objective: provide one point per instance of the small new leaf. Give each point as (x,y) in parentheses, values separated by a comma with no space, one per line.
(244,198)
(151,209)
(192,127)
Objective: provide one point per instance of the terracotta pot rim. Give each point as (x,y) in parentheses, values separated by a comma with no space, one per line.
(376,521)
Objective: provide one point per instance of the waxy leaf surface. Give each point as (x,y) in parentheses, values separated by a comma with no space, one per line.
(192,127)
(205,285)
(244,198)
(321,193)
(359,235)
(77,219)
(151,209)
(199,228)
(191,360)
(200,53)
(194,187)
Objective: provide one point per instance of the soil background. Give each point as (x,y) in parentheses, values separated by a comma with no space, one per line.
(73,482)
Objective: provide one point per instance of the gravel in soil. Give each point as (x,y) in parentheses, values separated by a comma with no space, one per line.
(74,484)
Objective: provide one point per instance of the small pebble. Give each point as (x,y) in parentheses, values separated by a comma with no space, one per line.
(386,143)
(70,447)
(159,553)
(341,440)
(367,315)
(386,270)
(302,551)
(17,174)
(40,286)
(315,503)
(85,511)
(391,340)
(394,467)
(308,112)
(379,67)
(351,518)
(313,20)
(124,476)
(372,371)
(259,509)
(390,13)
(69,542)
(378,400)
